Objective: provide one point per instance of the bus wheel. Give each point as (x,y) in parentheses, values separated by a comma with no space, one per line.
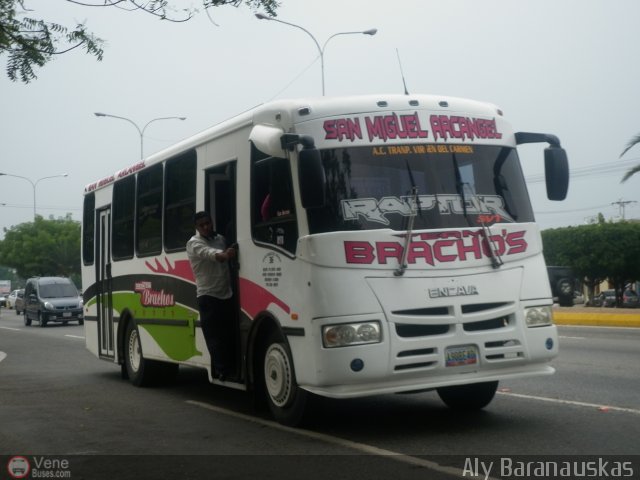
(468,397)
(41,319)
(286,400)
(27,320)
(139,370)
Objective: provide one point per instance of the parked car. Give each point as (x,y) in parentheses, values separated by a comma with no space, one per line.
(606,298)
(630,299)
(11,299)
(578,298)
(3,300)
(52,299)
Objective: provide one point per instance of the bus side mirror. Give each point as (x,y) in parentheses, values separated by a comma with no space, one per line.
(556,165)
(311,178)
(556,172)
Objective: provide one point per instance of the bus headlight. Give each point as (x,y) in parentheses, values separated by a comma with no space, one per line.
(49,306)
(538,316)
(347,334)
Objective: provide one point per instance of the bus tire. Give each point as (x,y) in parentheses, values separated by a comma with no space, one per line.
(470,397)
(286,400)
(27,320)
(140,371)
(42,320)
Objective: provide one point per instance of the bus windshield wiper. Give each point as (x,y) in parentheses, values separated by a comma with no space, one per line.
(494,255)
(415,208)
(496,259)
(407,240)
(460,187)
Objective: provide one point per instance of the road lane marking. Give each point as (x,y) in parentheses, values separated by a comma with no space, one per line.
(572,338)
(571,402)
(399,457)
(11,328)
(2,356)
(74,336)
(341,442)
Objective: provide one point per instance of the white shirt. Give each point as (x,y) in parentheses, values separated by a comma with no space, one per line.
(212,276)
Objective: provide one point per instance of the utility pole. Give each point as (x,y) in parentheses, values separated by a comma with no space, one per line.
(622,204)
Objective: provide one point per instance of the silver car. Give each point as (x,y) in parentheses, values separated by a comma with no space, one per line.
(52,299)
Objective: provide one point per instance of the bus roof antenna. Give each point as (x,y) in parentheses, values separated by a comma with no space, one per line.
(406,92)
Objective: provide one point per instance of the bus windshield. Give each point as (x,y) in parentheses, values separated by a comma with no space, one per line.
(440,186)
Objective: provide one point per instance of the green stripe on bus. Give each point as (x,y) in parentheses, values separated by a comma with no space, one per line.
(176,341)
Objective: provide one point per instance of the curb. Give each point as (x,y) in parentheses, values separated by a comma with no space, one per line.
(597,319)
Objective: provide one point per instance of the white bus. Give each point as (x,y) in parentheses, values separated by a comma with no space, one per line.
(399,252)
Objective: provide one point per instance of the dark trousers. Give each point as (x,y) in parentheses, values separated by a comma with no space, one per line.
(217,321)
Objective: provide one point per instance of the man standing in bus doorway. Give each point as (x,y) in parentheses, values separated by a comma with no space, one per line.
(209,258)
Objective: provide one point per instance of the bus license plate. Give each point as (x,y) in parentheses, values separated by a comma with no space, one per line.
(458,356)
(66,314)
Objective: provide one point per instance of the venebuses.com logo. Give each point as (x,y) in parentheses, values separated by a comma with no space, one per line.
(18,467)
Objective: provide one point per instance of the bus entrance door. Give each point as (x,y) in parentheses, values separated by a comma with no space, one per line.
(104,286)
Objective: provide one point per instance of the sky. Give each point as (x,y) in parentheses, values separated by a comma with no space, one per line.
(566,67)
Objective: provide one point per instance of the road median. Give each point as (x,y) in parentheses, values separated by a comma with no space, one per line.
(597,316)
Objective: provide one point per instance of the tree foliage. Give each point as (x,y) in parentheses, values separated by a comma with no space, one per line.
(43,248)
(596,252)
(31,42)
(633,170)
(7,273)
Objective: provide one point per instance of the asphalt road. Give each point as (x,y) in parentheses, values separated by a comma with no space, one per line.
(57,400)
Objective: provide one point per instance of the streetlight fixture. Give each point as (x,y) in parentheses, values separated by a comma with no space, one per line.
(371,31)
(34,185)
(140,130)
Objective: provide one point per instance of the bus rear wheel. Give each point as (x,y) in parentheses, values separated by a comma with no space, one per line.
(139,370)
(468,397)
(286,400)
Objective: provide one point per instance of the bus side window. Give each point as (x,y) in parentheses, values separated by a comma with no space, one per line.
(149,211)
(123,218)
(273,212)
(180,201)
(88,228)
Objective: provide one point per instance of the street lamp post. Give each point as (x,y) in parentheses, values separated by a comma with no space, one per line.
(140,130)
(371,31)
(34,185)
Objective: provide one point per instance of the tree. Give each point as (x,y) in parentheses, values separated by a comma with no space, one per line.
(43,248)
(31,42)
(596,252)
(633,170)
(7,273)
